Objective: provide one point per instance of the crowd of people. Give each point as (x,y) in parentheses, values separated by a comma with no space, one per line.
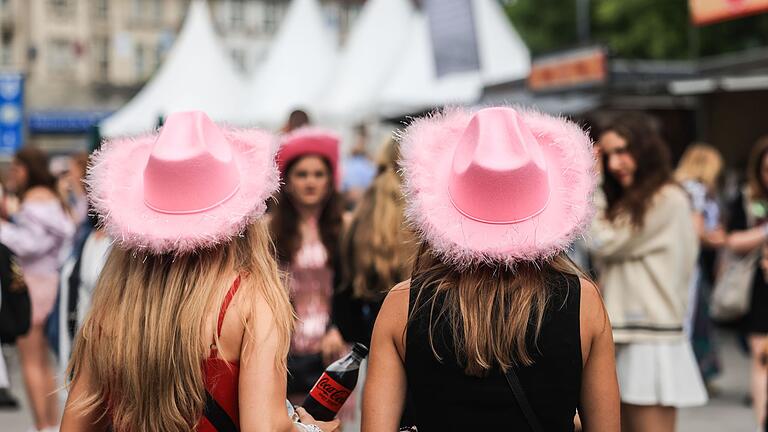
(211,276)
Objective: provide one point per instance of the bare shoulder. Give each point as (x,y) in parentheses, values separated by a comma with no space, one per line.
(39,194)
(393,317)
(394,312)
(594,318)
(398,296)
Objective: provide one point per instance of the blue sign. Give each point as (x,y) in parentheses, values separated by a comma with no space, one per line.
(64,122)
(11,113)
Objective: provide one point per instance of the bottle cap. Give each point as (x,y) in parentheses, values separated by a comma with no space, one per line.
(360,350)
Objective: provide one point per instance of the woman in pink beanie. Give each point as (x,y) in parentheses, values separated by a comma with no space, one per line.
(190,323)
(306,224)
(496,329)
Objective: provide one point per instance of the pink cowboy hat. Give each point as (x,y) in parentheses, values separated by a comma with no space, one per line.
(309,141)
(497,186)
(191,186)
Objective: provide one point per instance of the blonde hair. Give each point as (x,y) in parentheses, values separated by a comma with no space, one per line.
(493,311)
(701,163)
(146,336)
(378,248)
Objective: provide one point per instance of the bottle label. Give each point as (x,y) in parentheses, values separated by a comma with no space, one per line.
(329,393)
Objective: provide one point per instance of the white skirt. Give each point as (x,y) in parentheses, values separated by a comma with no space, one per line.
(659,373)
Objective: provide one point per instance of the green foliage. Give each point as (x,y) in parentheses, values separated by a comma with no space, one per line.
(652,29)
(545,25)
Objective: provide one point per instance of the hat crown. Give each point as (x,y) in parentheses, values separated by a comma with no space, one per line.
(499,172)
(191,168)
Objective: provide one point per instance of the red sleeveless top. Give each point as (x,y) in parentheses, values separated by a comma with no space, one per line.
(221,380)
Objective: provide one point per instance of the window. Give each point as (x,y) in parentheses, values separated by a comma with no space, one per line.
(6,52)
(61,56)
(61,8)
(136,10)
(159,55)
(271,16)
(238,56)
(101,9)
(141,66)
(237,13)
(157,10)
(101,57)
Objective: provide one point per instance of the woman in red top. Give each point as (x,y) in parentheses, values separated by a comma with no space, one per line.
(190,324)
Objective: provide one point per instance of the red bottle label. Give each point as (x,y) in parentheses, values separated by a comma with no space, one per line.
(330,393)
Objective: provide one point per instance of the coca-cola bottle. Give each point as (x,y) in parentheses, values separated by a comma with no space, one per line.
(335,384)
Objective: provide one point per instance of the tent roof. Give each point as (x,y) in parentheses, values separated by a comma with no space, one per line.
(297,68)
(414,86)
(196,75)
(372,52)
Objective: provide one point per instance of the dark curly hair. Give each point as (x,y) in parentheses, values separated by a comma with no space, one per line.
(654,167)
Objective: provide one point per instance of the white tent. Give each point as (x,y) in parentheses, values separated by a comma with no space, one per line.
(196,75)
(297,68)
(414,86)
(372,52)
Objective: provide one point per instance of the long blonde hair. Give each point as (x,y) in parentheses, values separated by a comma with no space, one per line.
(702,163)
(378,248)
(146,336)
(493,311)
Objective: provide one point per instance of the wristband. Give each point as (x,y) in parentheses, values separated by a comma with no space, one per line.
(308,427)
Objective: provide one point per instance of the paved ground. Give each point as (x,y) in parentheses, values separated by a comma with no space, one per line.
(724,413)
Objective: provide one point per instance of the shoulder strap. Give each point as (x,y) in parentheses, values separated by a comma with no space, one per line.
(216,415)
(227,301)
(522,400)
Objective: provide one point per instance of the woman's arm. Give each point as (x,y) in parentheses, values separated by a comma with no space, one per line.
(599,411)
(262,383)
(745,241)
(384,393)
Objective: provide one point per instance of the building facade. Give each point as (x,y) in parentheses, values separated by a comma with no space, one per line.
(95,54)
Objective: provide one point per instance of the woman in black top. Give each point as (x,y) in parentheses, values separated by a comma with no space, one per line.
(496,330)
(748,231)
(377,250)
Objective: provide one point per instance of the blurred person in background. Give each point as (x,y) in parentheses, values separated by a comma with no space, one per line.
(645,248)
(699,172)
(358,169)
(79,275)
(306,222)
(747,231)
(190,325)
(377,249)
(496,329)
(376,253)
(296,119)
(75,187)
(39,234)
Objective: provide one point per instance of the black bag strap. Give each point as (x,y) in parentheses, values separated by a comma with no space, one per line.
(522,401)
(219,418)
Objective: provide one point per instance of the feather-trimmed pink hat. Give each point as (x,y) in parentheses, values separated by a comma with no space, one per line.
(497,186)
(193,185)
(309,141)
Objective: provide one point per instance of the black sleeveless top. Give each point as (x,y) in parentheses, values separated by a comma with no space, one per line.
(443,398)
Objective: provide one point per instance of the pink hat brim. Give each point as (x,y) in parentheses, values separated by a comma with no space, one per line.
(427,147)
(116,191)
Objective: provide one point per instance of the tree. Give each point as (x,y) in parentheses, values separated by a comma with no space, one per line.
(650,29)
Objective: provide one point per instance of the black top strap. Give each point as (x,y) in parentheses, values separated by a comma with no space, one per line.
(219,418)
(522,401)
